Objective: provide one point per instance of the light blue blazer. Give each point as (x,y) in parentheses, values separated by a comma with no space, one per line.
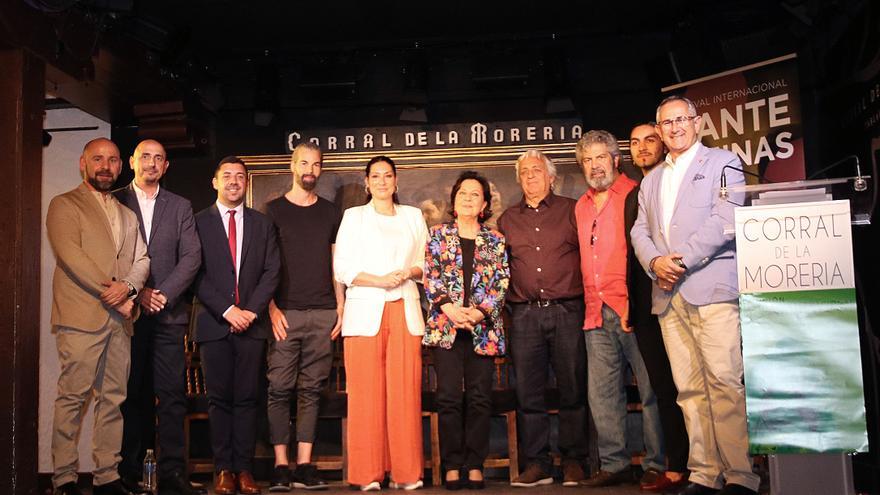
(701,229)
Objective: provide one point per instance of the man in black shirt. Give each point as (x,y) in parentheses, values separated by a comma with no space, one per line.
(306,315)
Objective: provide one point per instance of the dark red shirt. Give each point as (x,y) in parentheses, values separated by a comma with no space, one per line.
(543,250)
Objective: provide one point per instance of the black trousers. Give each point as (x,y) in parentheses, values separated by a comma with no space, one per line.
(675,438)
(541,337)
(157,372)
(463,374)
(232,368)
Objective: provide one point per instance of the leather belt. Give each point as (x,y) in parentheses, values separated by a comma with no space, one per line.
(543,303)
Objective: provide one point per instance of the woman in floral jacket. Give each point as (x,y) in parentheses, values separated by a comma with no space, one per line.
(466,277)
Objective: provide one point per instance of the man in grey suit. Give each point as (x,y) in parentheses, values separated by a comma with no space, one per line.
(157,353)
(683,238)
(101,265)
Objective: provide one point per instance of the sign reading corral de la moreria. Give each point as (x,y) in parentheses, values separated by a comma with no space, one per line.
(791,247)
(800,332)
(464,135)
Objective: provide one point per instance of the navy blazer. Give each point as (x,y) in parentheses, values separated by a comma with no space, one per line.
(174,250)
(215,284)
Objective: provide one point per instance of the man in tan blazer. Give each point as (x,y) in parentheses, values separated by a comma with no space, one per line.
(101,264)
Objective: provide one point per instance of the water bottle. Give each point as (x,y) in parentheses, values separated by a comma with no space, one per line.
(150,472)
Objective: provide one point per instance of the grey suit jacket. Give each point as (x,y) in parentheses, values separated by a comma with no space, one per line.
(174,249)
(697,230)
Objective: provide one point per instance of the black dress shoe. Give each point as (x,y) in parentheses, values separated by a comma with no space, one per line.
(476,484)
(453,485)
(735,489)
(68,488)
(697,489)
(175,484)
(115,487)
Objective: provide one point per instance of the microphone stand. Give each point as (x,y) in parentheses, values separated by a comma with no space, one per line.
(722,192)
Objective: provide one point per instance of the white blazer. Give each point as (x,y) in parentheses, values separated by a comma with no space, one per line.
(360,248)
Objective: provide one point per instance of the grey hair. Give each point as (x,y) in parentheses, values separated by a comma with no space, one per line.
(692,109)
(533,153)
(596,137)
(305,145)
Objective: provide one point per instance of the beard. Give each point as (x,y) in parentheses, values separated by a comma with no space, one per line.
(600,183)
(307,181)
(102,183)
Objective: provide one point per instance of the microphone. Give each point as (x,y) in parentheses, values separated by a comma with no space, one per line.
(859,183)
(722,191)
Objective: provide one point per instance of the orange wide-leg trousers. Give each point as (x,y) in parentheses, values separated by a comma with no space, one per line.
(384,386)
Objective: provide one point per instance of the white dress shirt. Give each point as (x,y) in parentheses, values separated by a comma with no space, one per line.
(394,235)
(675,170)
(147,205)
(239,235)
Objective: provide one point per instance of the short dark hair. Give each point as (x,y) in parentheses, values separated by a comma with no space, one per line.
(230,159)
(389,161)
(651,123)
(487,193)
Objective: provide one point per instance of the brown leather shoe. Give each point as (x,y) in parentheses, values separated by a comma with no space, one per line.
(224,483)
(246,483)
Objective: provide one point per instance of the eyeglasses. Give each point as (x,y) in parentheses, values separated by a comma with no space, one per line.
(680,120)
(593,234)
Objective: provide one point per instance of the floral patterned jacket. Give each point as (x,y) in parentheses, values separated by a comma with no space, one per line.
(444,281)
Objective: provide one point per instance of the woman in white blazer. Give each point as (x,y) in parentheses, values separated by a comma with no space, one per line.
(379,256)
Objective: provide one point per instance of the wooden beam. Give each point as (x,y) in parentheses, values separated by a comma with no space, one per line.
(21,101)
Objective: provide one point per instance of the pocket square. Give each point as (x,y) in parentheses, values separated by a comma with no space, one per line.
(698,177)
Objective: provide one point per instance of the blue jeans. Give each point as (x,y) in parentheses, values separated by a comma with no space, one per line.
(540,338)
(609,348)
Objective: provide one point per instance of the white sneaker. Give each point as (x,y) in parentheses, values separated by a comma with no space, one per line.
(373,486)
(407,486)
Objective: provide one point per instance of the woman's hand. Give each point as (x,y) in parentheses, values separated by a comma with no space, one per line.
(474,315)
(393,279)
(457,315)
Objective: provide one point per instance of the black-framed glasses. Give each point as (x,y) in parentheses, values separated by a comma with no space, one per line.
(680,120)
(593,237)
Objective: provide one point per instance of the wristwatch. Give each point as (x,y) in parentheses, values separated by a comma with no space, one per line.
(132,292)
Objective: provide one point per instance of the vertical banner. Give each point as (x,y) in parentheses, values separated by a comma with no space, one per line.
(755,112)
(800,328)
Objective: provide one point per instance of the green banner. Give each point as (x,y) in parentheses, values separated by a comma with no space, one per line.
(804,374)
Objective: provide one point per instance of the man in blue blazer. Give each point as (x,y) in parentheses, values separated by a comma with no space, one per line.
(239,274)
(684,239)
(157,354)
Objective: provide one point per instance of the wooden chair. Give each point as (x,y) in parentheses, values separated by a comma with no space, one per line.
(334,405)
(429,410)
(504,404)
(197,402)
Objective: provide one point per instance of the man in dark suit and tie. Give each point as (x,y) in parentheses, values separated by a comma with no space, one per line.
(157,353)
(239,274)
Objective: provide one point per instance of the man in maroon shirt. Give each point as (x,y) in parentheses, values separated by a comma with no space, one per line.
(547,309)
(602,216)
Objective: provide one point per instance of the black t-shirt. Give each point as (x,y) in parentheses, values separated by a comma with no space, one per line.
(468,246)
(305,235)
